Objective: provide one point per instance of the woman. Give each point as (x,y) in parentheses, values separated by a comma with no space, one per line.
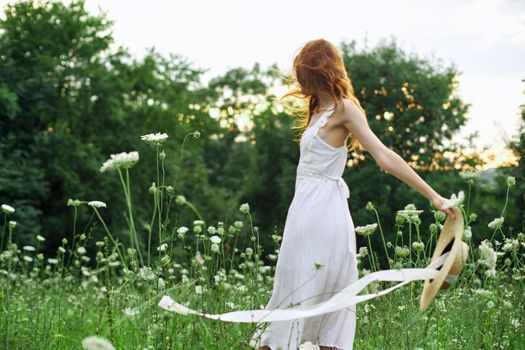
(317,256)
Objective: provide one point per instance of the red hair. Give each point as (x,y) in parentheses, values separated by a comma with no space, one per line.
(319,68)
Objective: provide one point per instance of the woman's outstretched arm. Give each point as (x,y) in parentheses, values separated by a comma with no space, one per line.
(388,160)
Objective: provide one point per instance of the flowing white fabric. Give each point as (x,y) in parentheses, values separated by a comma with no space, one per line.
(345,298)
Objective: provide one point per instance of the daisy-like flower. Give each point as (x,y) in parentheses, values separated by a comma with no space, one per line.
(97,204)
(154,139)
(7,209)
(96,343)
(454,200)
(366,230)
(120,160)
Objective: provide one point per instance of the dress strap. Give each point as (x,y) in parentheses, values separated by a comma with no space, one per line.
(323,119)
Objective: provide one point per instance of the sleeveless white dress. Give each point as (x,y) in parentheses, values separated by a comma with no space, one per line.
(317,256)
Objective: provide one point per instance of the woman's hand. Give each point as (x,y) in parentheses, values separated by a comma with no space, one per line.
(438,201)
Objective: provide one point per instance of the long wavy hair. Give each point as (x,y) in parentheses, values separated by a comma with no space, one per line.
(317,69)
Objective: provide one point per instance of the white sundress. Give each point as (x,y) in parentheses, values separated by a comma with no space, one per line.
(317,256)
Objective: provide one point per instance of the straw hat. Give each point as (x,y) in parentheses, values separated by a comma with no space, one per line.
(450,240)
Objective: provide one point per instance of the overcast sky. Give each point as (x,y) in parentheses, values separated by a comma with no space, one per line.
(485,39)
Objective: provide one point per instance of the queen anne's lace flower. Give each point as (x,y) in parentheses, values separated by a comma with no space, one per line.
(244,208)
(469,175)
(120,160)
(97,204)
(366,230)
(496,223)
(154,139)
(7,209)
(146,273)
(510,244)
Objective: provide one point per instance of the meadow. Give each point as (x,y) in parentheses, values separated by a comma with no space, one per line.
(99,292)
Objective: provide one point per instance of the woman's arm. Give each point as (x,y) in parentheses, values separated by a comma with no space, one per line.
(388,160)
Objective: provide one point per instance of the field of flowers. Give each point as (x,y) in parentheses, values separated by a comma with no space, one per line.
(110,300)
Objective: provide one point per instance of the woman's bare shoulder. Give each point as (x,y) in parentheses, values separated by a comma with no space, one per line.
(351,113)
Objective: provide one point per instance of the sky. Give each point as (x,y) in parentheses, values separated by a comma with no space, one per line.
(484,39)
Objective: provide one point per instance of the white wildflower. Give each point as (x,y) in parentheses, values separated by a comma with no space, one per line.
(511,181)
(510,244)
(366,230)
(154,139)
(418,246)
(12,224)
(467,233)
(131,312)
(97,204)
(40,238)
(29,248)
(81,250)
(215,247)
(27,258)
(7,209)
(496,223)
(96,343)
(52,261)
(120,160)
(162,247)
(215,239)
(488,256)
(244,208)
(146,273)
(469,175)
(363,251)
(182,230)
(199,289)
